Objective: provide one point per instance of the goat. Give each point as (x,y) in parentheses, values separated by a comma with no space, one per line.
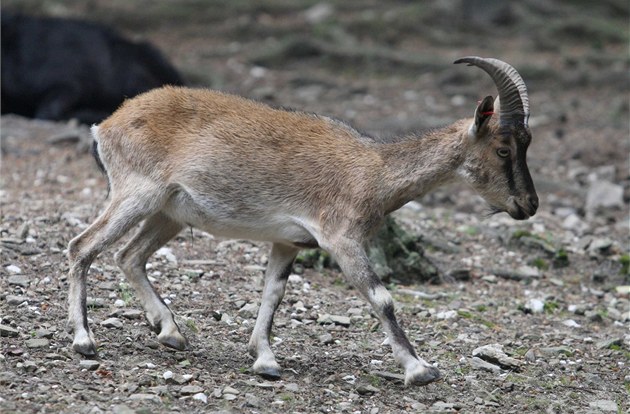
(58,69)
(178,157)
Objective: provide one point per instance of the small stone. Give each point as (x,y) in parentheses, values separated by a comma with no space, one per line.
(604,405)
(166,253)
(227,319)
(478,363)
(295,279)
(530,356)
(366,389)
(37,343)
(252,401)
(21,281)
(119,303)
(200,396)
(248,311)
(442,406)
(603,194)
(390,376)
(190,389)
(29,366)
(494,354)
(293,387)
(122,409)
(8,331)
(230,390)
(334,319)
(229,397)
(446,315)
(145,397)
(167,375)
(112,323)
(15,300)
(326,339)
(599,246)
(13,269)
(489,278)
(571,323)
(535,306)
(89,364)
(132,314)
(528,272)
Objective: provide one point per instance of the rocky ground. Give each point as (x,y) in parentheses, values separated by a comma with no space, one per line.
(530,317)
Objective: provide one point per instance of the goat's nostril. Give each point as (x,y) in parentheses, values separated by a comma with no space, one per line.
(533,201)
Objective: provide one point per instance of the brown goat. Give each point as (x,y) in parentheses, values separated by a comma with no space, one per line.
(178,157)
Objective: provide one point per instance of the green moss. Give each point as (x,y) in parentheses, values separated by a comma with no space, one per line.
(190,323)
(481,308)
(550,306)
(126,294)
(540,263)
(561,258)
(465,314)
(625,264)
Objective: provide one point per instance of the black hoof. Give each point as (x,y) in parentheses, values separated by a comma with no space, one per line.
(180,344)
(86,349)
(269,373)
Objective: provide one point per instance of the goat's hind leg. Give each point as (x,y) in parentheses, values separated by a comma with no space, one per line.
(121,215)
(132,258)
(278,271)
(355,265)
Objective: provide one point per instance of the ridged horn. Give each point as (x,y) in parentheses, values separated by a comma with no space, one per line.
(512,89)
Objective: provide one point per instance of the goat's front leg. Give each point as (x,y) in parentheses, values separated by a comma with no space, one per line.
(354,263)
(278,271)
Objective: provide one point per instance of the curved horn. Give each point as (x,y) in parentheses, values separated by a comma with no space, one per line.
(512,90)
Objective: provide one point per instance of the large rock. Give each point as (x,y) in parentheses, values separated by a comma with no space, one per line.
(603,195)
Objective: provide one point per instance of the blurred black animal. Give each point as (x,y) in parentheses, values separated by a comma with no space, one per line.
(56,69)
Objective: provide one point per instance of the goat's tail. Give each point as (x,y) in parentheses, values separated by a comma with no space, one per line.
(96,155)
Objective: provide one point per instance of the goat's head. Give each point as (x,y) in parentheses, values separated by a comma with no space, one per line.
(498,137)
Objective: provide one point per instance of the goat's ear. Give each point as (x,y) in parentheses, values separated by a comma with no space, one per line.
(483,113)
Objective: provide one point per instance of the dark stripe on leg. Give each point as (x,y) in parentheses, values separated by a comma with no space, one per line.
(397,332)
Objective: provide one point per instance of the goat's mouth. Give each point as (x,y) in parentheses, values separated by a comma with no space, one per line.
(517,212)
(514,210)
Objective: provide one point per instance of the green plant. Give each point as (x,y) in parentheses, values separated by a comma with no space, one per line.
(550,306)
(126,294)
(625,264)
(561,258)
(540,263)
(190,323)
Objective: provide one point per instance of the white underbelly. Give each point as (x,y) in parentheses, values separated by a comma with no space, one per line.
(227,221)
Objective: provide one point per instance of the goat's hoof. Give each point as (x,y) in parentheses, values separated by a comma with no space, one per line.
(174,340)
(422,375)
(269,371)
(85,348)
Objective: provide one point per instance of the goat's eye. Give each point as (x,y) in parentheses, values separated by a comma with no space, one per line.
(503,152)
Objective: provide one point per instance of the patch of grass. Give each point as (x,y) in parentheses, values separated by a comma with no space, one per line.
(550,306)
(464,314)
(561,258)
(625,264)
(190,323)
(521,233)
(286,397)
(374,380)
(481,308)
(540,263)
(125,292)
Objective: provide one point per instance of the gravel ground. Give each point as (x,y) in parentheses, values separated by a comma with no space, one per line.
(531,317)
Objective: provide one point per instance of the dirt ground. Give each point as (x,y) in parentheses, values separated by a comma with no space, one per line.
(550,295)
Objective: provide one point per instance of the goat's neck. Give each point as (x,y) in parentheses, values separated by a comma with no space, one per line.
(416,165)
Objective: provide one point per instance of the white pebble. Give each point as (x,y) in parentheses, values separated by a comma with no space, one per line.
(200,397)
(13,269)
